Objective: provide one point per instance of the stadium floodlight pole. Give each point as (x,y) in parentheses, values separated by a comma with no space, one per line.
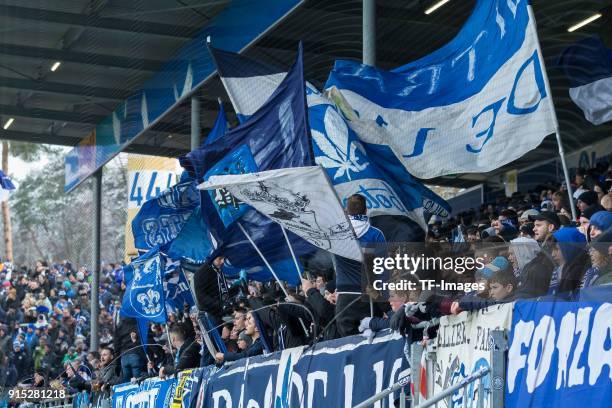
(195,122)
(94,340)
(554,115)
(263,258)
(369,32)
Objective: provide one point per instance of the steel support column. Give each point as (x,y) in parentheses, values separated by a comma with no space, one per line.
(369,32)
(195,123)
(94,341)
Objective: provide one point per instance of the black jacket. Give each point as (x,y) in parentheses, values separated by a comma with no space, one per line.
(254,349)
(188,357)
(8,375)
(122,341)
(282,323)
(23,364)
(324,313)
(207,290)
(535,277)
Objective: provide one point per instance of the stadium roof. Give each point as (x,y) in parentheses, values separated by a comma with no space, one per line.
(109,48)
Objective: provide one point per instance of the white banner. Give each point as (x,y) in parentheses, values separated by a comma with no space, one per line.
(463,347)
(300,199)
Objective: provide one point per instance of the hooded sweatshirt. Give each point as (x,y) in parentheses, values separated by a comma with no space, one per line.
(572,243)
(371,240)
(524,250)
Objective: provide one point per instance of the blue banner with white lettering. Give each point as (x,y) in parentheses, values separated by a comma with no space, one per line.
(560,353)
(338,373)
(151,393)
(473,105)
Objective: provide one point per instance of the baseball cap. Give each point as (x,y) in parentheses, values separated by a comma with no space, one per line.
(525,215)
(549,216)
(499,263)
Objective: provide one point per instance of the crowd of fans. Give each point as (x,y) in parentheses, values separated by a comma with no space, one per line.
(534,249)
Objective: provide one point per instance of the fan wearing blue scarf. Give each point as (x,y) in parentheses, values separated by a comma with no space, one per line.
(349,272)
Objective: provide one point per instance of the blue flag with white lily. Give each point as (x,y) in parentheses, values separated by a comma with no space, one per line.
(335,145)
(144,297)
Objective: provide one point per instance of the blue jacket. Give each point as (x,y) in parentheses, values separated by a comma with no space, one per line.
(348,271)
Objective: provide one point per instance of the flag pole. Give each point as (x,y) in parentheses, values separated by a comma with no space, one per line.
(295,261)
(263,258)
(297,268)
(203,330)
(169,342)
(554,115)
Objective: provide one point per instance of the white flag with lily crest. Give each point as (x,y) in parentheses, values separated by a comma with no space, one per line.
(300,199)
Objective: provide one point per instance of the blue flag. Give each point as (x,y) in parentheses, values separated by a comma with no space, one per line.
(473,105)
(160,220)
(388,188)
(5,182)
(276,136)
(588,66)
(219,128)
(177,291)
(285,270)
(144,294)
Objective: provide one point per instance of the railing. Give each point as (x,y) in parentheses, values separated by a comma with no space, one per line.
(477,375)
(400,385)
(494,394)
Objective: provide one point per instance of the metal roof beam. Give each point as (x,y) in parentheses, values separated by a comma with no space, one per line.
(59,140)
(62,88)
(93,21)
(47,114)
(81,57)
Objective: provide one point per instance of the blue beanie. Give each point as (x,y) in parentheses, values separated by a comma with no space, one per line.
(571,242)
(602,220)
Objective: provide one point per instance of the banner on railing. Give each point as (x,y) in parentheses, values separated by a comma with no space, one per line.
(151,393)
(463,347)
(338,373)
(560,353)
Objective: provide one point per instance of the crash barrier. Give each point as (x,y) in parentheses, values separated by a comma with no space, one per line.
(79,400)
(558,351)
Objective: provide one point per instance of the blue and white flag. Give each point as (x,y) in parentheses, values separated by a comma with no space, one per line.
(473,105)
(177,291)
(588,66)
(160,220)
(144,295)
(276,136)
(301,200)
(335,145)
(194,243)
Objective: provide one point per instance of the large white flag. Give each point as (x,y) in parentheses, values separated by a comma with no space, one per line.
(300,199)
(475,104)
